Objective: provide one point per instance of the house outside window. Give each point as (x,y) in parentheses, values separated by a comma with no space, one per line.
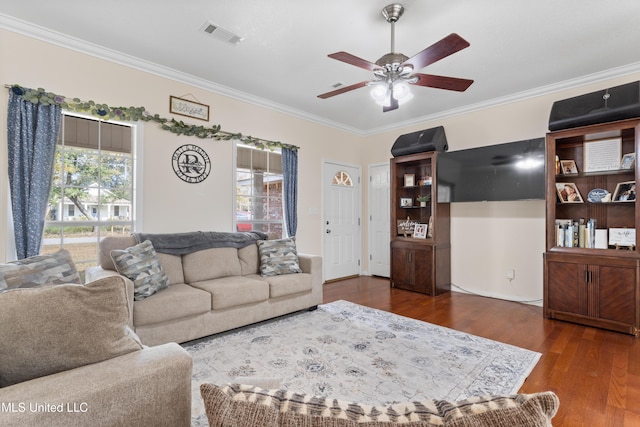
(259,204)
(92,189)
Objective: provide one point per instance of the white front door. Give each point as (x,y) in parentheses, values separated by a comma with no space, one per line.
(379,217)
(341,220)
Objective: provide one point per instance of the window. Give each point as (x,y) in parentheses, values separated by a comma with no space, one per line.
(342,179)
(92,188)
(259,191)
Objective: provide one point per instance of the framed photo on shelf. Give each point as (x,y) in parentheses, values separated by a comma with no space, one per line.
(625,192)
(622,237)
(406,202)
(409,179)
(568,167)
(568,192)
(406,227)
(602,155)
(420,231)
(628,161)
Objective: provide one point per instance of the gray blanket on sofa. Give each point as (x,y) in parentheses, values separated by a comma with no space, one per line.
(185,243)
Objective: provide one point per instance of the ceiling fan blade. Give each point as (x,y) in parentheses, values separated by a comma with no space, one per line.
(441,49)
(342,90)
(442,82)
(354,60)
(393,102)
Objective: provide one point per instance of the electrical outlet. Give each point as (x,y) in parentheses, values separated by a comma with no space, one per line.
(511,274)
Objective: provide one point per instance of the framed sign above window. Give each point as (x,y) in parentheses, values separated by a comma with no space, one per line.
(188,108)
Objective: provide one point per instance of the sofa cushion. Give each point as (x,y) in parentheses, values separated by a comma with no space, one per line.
(278,257)
(234,291)
(141,265)
(56,328)
(172,265)
(237,404)
(289,284)
(53,269)
(249,259)
(211,264)
(175,302)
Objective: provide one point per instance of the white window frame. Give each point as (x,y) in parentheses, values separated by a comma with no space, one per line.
(137,136)
(237,144)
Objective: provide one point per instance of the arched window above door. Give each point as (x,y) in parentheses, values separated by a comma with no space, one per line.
(342,178)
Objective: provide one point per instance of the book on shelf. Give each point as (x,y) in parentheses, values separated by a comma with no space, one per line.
(575,234)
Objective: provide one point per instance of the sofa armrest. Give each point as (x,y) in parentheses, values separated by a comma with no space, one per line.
(148,387)
(310,263)
(313,264)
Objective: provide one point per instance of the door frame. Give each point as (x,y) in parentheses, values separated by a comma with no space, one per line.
(325,181)
(370,238)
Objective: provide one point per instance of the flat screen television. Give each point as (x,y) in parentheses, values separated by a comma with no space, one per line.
(502,172)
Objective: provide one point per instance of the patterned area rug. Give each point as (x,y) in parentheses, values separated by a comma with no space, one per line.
(356,353)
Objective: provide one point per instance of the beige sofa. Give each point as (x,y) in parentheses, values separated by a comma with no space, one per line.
(213,290)
(68,359)
(148,387)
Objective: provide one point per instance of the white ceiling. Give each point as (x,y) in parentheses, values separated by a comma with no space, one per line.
(519,48)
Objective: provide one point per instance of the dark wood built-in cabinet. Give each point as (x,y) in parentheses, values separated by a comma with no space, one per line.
(595,286)
(419,264)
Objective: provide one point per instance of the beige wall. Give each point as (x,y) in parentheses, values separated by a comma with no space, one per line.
(487,238)
(169,204)
(490,238)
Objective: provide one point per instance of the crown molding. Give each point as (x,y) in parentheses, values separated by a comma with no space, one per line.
(82,46)
(516,97)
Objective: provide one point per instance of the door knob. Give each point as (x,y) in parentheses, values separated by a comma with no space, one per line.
(328,231)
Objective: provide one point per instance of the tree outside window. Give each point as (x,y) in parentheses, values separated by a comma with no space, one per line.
(92,190)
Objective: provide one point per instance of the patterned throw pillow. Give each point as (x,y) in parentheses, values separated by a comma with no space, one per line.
(53,269)
(140,263)
(236,404)
(278,257)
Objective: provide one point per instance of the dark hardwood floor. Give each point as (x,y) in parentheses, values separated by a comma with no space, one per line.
(595,373)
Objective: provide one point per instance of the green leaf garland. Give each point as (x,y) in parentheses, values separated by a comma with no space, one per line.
(134,114)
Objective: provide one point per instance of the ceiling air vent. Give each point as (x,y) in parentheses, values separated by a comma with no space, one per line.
(221,34)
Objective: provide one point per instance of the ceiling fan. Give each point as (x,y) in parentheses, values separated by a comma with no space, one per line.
(394,70)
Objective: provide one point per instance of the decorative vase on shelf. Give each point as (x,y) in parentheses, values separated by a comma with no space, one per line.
(423,200)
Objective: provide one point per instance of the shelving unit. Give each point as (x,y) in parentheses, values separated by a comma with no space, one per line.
(592,286)
(419,264)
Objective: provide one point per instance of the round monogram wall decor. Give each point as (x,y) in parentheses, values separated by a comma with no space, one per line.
(191,163)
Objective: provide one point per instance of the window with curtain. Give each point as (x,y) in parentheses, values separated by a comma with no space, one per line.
(259,191)
(92,188)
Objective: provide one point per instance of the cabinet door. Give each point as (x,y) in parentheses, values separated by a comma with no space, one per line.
(423,270)
(566,287)
(616,294)
(401,267)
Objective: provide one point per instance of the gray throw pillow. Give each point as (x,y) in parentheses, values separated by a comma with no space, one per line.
(52,329)
(278,257)
(140,263)
(52,269)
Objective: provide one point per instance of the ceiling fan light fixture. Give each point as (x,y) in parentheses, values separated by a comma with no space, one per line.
(382,96)
(401,91)
(379,92)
